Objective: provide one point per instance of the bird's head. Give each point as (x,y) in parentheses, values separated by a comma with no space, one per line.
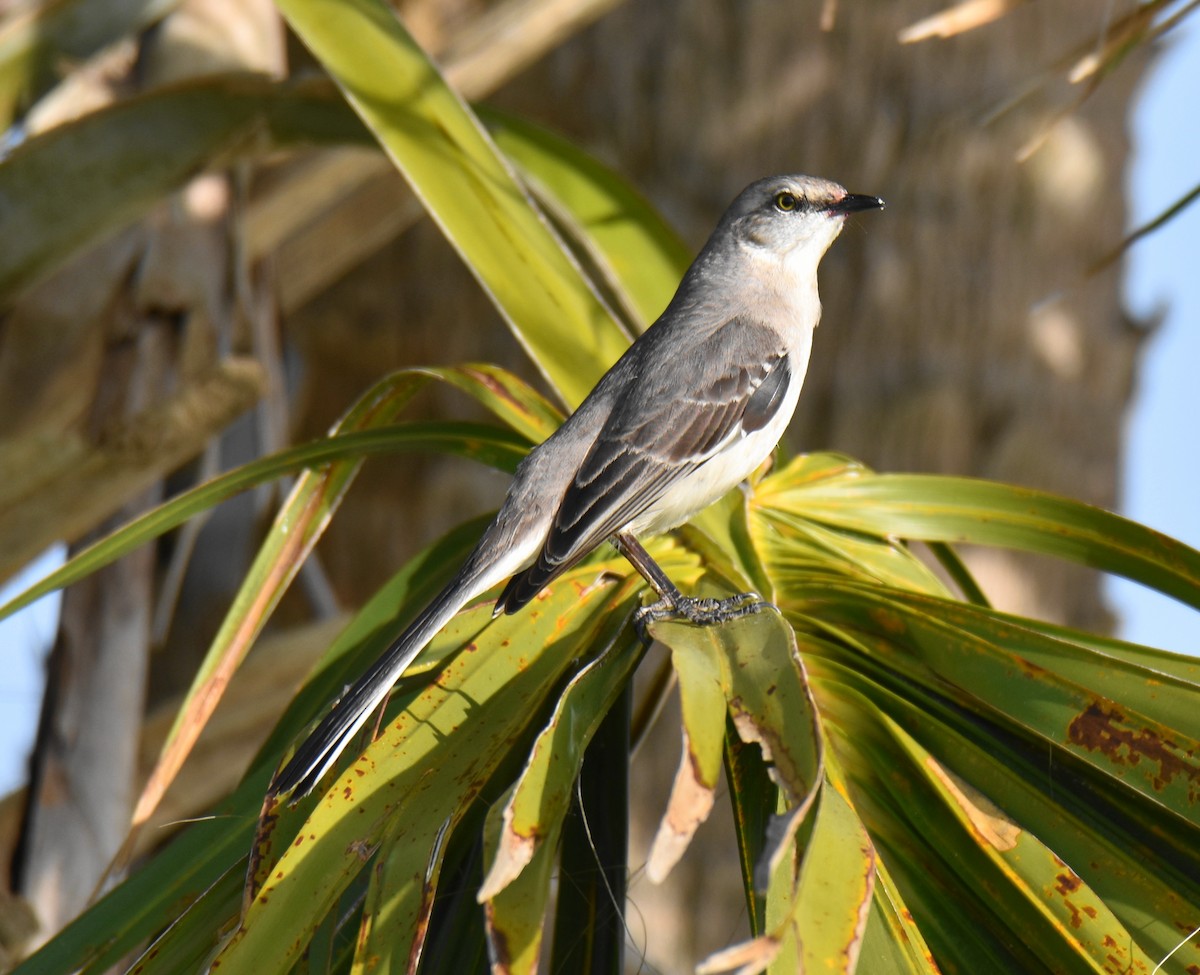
(795,218)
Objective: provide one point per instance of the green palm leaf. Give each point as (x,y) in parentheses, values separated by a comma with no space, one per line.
(919,782)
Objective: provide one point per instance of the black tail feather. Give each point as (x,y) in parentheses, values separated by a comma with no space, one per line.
(320,749)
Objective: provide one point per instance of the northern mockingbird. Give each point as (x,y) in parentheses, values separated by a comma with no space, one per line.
(687,413)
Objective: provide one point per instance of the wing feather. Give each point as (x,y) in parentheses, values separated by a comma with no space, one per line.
(656,435)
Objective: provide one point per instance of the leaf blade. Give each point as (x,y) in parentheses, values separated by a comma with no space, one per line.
(467,187)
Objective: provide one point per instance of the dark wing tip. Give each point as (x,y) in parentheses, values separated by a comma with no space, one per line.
(524,586)
(510,597)
(765,402)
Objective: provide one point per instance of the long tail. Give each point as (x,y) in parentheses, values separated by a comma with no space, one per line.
(508,545)
(320,750)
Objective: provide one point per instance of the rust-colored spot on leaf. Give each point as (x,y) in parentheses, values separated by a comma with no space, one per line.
(890,622)
(1102,728)
(1028,667)
(421,930)
(495,387)
(498,939)
(1067,884)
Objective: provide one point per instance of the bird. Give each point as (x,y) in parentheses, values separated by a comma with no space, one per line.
(687,413)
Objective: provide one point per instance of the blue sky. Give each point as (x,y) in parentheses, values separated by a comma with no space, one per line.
(23,642)
(1163,272)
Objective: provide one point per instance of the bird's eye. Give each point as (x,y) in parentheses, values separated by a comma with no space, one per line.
(785,201)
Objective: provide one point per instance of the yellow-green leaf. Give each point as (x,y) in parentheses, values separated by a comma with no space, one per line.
(467,187)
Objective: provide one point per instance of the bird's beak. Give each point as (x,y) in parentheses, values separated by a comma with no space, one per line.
(853,202)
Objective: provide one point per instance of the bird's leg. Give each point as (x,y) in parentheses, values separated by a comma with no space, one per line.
(672,604)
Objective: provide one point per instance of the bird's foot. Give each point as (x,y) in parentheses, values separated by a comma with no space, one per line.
(702,612)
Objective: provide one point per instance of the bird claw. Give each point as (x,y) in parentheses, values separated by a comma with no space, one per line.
(702,612)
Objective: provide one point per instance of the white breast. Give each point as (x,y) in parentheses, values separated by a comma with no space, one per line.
(729,466)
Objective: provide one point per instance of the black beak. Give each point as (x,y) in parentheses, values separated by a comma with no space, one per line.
(853,202)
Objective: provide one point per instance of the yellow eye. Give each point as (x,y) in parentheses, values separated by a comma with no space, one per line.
(785,201)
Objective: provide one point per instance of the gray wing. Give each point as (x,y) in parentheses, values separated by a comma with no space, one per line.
(674,415)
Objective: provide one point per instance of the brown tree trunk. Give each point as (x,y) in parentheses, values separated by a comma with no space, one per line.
(118,370)
(84,773)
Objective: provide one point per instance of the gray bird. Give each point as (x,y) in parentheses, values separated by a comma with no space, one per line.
(686,414)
